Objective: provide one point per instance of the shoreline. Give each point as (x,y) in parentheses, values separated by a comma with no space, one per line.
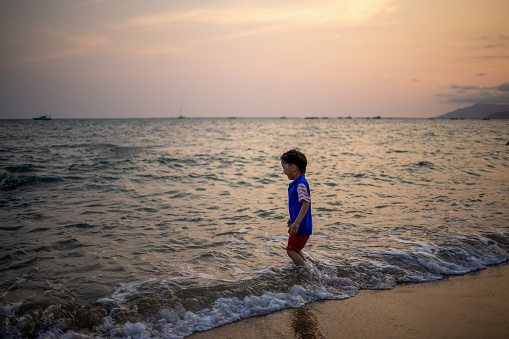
(469,306)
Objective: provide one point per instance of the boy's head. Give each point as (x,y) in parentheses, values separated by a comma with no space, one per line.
(297,158)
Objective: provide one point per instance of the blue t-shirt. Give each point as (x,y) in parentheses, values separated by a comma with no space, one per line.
(299,191)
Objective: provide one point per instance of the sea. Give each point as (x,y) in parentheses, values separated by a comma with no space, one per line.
(159,228)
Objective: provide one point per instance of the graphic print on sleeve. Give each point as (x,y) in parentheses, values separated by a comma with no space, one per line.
(303,193)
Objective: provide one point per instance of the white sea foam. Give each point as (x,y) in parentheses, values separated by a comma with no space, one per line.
(227,310)
(124,291)
(9,308)
(319,284)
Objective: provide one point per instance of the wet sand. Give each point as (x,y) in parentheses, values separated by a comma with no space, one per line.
(475,305)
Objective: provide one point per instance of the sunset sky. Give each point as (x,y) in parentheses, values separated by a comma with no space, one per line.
(221,58)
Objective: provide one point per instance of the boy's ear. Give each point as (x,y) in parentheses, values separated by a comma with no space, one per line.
(294,167)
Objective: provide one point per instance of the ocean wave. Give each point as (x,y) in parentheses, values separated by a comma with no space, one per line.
(9,181)
(12,182)
(25,168)
(151,309)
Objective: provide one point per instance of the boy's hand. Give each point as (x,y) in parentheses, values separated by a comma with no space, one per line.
(293,229)
(289,222)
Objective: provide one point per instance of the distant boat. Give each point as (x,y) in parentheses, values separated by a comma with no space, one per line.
(180,115)
(43,117)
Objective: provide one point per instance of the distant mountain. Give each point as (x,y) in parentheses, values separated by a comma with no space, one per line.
(477,111)
(499,115)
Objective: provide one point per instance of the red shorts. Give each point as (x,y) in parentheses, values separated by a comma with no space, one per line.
(297,242)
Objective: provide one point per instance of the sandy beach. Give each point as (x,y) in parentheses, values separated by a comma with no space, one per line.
(475,305)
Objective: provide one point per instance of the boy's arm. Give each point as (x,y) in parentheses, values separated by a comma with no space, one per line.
(302,213)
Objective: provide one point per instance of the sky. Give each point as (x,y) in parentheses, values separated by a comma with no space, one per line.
(244,58)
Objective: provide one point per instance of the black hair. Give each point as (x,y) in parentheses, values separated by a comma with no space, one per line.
(297,158)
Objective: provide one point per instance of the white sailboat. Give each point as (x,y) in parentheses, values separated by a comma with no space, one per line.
(180,115)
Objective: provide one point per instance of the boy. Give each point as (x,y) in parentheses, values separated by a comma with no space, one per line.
(300,224)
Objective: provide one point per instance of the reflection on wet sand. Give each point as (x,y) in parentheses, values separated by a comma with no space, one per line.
(305,324)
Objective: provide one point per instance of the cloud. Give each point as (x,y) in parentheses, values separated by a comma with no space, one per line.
(493,57)
(490,41)
(156,19)
(488,97)
(470,88)
(140,51)
(481,74)
(494,46)
(310,13)
(503,87)
(91,3)
(57,45)
(474,94)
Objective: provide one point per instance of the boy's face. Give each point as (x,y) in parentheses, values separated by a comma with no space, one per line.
(291,171)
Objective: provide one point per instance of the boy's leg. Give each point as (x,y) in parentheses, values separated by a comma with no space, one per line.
(302,255)
(295,245)
(297,258)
